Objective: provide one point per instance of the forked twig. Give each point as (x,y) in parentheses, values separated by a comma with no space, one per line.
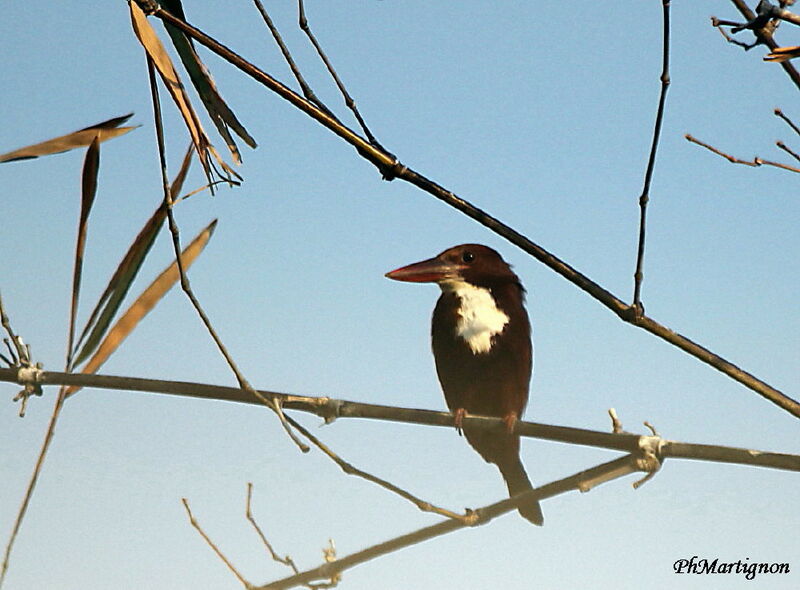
(287,561)
(307,91)
(651,161)
(207,539)
(329,553)
(755,162)
(348,100)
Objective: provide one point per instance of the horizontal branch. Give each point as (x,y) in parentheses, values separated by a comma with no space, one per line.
(391,168)
(583,481)
(330,409)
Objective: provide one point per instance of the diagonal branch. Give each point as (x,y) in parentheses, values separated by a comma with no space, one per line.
(391,168)
(579,481)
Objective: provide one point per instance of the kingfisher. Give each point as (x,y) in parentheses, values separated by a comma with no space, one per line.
(481,338)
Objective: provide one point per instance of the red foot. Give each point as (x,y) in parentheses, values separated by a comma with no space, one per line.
(459,419)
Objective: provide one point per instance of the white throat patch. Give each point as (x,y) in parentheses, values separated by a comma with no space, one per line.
(479,318)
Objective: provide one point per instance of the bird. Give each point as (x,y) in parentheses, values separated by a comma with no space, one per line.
(481,340)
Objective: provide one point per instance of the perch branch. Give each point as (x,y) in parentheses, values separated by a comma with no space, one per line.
(329,409)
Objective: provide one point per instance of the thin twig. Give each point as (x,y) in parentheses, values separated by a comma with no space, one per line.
(350,469)
(788,150)
(755,162)
(21,355)
(580,481)
(348,100)
(651,161)
(307,91)
(211,544)
(718,24)
(185,285)
(789,122)
(329,408)
(287,561)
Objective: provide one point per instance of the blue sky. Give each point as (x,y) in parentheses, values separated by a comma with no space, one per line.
(541,117)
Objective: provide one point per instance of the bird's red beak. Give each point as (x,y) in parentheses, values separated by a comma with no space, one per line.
(432,270)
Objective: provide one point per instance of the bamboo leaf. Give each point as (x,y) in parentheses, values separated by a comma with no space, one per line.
(109,303)
(144,303)
(163,64)
(217,109)
(77,139)
(127,270)
(91,166)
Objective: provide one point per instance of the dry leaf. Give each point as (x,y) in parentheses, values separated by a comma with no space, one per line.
(81,138)
(146,301)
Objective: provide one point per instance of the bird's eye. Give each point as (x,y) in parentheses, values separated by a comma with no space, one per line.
(467,257)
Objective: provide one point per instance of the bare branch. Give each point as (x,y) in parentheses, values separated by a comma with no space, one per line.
(211,544)
(287,561)
(329,409)
(789,122)
(307,91)
(755,162)
(651,162)
(788,150)
(583,481)
(348,100)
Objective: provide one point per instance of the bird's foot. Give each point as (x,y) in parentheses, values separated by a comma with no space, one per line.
(510,421)
(459,419)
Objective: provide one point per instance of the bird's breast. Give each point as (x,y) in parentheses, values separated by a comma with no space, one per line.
(479,319)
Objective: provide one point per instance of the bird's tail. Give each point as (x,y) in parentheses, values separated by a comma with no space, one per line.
(503,451)
(517,482)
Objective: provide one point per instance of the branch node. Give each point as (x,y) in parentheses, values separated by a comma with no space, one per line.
(149,7)
(330,410)
(392,171)
(648,461)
